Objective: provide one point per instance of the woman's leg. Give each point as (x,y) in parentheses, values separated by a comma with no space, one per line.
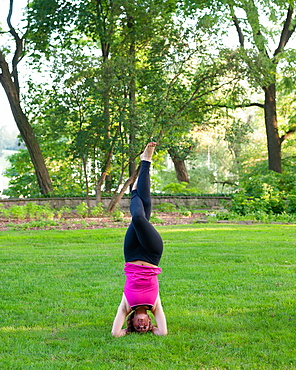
(142,241)
(141,192)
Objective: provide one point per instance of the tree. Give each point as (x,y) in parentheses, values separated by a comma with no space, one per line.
(269,71)
(10,82)
(178,159)
(150,81)
(117,27)
(261,26)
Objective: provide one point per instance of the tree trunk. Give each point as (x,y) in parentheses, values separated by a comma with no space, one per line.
(25,128)
(105,169)
(273,140)
(180,168)
(117,197)
(103,178)
(106,114)
(132,96)
(84,165)
(105,29)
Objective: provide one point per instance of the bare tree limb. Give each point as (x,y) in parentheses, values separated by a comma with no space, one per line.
(237,106)
(18,49)
(286,31)
(290,132)
(238,30)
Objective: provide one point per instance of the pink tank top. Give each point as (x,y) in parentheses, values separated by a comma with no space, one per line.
(141,285)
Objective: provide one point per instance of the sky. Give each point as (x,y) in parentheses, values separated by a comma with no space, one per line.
(6,117)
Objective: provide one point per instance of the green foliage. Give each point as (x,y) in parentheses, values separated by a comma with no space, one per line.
(38,212)
(166,207)
(31,211)
(18,212)
(243,204)
(256,216)
(63,211)
(23,182)
(258,181)
(160,61)
(82,209)
(149,79)
(155,219)
(41,224)
(263,184)
(22,179)
(179,188)
(291,203)
(98,210)
(186,212)
(4,212)
(34,211)
(117,215)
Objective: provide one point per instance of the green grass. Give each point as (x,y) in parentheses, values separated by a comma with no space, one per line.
(228,292)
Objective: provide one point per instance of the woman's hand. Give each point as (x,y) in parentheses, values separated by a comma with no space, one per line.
(119,334)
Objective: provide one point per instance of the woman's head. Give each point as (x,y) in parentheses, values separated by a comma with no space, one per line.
(139,322)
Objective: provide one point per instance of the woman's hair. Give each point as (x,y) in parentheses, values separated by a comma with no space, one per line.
(130,326)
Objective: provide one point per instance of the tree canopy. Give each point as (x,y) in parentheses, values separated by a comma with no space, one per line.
(123,73)
(264,33)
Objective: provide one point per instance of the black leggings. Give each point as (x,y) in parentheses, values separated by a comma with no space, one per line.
(142,241)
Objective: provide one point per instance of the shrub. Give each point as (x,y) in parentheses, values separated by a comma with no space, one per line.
(33,210)
(82,209)
(38,212)
(47,212)
(117,215)
(166,207)
(18,212)
(179,188)
(97,211)
(275,205)
(154,219)
(242,204)
(4,212)
(186,213)
(291,203)
(260,181)
(63,211)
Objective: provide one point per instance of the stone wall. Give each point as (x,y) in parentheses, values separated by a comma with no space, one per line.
(185,201)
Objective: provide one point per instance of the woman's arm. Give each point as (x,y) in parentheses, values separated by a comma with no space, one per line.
(122,311)
(160,319)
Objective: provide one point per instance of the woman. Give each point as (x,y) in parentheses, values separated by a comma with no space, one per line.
(142,250)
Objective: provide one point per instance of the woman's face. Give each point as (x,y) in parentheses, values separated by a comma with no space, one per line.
(141,322)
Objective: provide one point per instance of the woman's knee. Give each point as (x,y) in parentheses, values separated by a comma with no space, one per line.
(139,219)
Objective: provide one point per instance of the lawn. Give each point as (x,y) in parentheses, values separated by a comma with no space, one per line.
(228,292)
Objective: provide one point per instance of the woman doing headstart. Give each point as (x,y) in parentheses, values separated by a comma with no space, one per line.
(143,248)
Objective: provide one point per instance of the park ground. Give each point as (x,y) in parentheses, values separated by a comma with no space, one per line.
(228,291)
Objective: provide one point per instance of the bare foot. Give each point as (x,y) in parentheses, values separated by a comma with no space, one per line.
(148,152)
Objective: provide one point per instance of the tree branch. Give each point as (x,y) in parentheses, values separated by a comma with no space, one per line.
(238,28)
(18,49)
(287,134)
(286,31)
(195,96)
(237,106)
